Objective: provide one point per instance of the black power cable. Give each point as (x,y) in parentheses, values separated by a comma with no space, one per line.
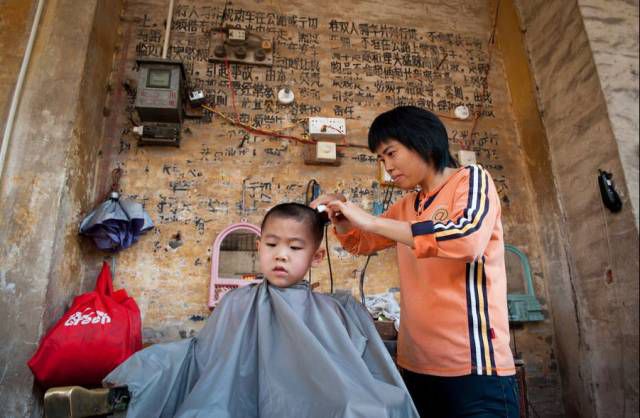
(361,283)
(309,192)
(326,243)
(388,194)
(309,195)
(224,13)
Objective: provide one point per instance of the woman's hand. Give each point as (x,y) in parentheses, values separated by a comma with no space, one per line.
(346,215)
(342,224)
(323,199)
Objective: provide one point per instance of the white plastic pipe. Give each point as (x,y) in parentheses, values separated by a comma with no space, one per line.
(167,31)
(17,92)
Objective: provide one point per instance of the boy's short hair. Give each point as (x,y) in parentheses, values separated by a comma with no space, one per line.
(300,213)
(417,129)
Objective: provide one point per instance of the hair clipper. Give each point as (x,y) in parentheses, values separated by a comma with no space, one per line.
(324,213)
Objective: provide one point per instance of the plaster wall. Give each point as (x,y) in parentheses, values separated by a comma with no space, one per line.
(599,364)
(612,30)
(549,123)
(536,154)
(325,56)
(15,23)
(46,185)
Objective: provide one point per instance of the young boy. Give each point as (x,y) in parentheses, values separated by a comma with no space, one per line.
(290,243)
(275,349)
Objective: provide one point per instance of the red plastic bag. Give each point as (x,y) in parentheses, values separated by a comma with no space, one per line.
(100,330)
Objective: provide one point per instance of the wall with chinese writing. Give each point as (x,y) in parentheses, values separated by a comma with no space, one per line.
(352,60)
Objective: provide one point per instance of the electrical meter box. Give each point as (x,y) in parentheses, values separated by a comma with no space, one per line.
(159,100)
(160,88)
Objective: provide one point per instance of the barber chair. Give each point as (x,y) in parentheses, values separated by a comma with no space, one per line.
(77,402)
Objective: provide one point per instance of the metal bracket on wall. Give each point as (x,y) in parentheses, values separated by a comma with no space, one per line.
(523,307)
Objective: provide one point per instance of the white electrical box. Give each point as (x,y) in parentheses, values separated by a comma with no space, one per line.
(384,177)
(326,150)
(237,35)
(321,153)
(327,129)
(466,157)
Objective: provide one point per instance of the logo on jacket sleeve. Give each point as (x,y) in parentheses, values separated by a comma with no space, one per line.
(440,214)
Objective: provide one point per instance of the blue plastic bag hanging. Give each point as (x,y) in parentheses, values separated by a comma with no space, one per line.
(116,223)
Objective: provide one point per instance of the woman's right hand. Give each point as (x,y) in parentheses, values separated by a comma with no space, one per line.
(341,223)
(323,199)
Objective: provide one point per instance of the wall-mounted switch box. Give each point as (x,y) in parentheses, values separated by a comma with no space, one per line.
(466,157)
(326,150)
(327,129)
(321,153)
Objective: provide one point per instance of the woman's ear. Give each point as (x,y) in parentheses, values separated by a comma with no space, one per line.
(318,256)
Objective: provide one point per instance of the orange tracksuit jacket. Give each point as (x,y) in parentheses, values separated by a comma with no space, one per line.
(453,284)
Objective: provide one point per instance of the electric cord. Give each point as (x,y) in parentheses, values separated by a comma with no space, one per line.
(326,243)
(361,282)
(224,13)
(274,133)
(609,276)
(388,194)
(307,199)
(308,194)
(235,120)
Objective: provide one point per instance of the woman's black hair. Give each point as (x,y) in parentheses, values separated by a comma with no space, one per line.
(417,129)
(300,213)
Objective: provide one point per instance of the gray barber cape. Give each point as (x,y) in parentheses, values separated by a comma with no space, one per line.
(270,352)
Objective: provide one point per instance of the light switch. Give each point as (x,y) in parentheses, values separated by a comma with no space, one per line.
(466,157)
(325,150)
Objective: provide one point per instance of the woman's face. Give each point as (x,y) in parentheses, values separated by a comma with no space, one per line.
(404,165)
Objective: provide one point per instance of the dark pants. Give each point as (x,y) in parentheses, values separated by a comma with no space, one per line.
(464,396)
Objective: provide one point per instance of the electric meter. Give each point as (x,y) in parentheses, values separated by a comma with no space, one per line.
(159,100)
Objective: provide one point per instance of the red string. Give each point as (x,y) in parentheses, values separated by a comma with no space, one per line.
(261,132)
(116,174)
(233,91)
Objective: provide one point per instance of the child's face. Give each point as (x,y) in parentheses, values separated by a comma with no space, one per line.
(287,251)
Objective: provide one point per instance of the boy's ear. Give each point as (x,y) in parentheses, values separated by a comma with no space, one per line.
(258,244)
(318,256)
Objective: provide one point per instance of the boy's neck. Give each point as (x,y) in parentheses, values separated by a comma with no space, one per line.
(302,282)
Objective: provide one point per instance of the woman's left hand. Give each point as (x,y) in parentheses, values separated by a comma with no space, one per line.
(353,213)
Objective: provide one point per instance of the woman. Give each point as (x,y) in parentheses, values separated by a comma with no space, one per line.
(453,344)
